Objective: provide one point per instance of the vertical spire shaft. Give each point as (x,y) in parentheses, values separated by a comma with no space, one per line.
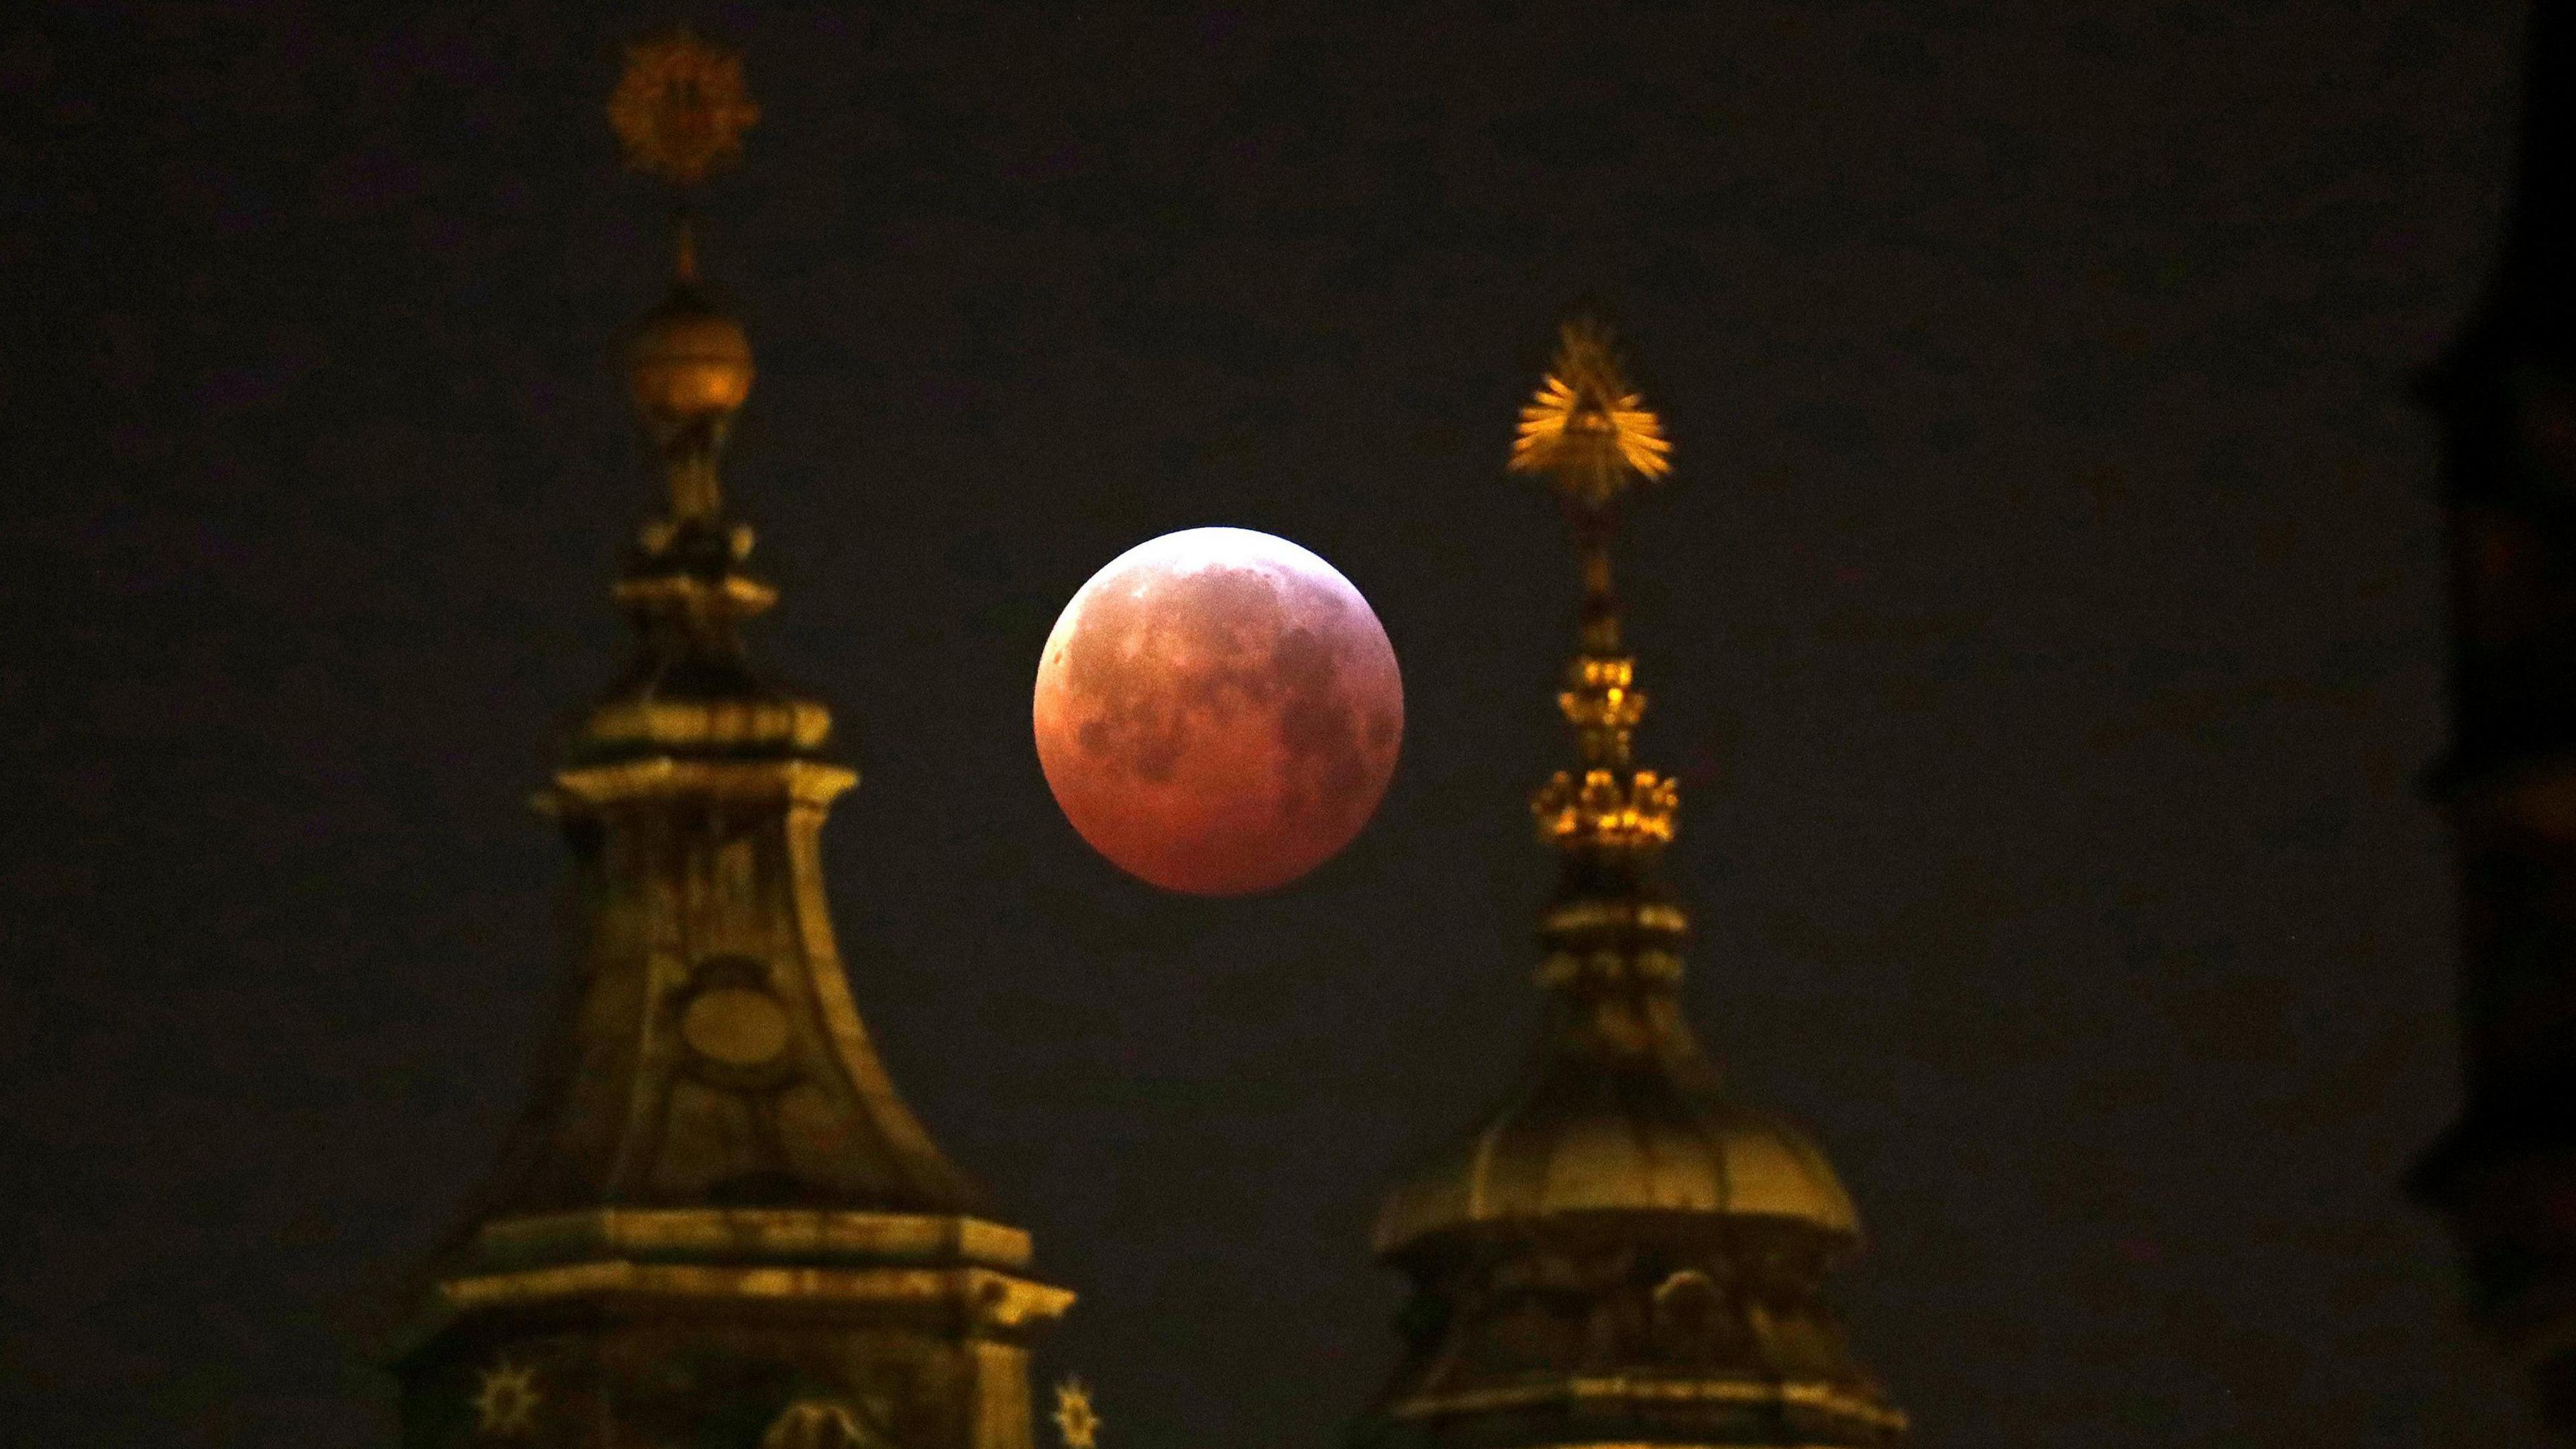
(1598,624)
(689,368)
(680,112)
(692,371)
(684,242)
(1590,434)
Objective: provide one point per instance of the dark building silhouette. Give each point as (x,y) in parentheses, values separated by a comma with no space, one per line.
(2505,1174)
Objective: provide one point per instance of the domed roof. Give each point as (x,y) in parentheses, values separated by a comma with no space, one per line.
(1650,1131)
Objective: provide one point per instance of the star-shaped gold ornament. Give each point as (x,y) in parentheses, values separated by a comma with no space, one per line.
(1075,1420)
(680,109)
(506,1401)
(1587,426)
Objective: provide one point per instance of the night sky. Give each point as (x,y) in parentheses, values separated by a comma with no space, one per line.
(2046,621)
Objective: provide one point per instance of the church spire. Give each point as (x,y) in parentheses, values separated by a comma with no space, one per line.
(1594,439)
(716,1221)
(680,112)
(1590,434)
(1623,1254)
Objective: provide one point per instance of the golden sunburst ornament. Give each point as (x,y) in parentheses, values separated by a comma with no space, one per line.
(680,109)
(505,1402)
(1586,426)
(1075,1420)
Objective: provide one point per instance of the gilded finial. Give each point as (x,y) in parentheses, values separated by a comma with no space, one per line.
(1590,431)
(680,109)
(1075,1421)
(1586,427)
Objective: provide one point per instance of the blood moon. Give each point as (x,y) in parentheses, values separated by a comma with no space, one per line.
(1218,711)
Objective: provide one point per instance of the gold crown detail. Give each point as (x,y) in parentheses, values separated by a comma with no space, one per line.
(1600,810)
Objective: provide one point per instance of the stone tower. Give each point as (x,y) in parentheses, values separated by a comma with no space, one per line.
(717,1224)
(1624,1254)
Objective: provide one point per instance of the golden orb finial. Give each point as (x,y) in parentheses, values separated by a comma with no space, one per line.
(680,109)
(688,362)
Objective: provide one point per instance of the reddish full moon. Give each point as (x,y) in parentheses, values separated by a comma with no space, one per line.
(1218,711)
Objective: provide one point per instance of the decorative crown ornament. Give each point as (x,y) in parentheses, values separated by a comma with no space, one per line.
(680,109)
(1587,427)
(1598,810)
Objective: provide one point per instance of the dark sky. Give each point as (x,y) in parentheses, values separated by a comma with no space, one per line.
(2046,621)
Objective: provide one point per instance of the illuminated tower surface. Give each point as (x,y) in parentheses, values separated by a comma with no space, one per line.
(717,1224)
(1623,1254)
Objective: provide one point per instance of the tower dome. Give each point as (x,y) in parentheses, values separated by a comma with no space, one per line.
(1653,1134)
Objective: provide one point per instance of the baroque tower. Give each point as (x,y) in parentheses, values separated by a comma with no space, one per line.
(1623,1254)
(716,1224)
